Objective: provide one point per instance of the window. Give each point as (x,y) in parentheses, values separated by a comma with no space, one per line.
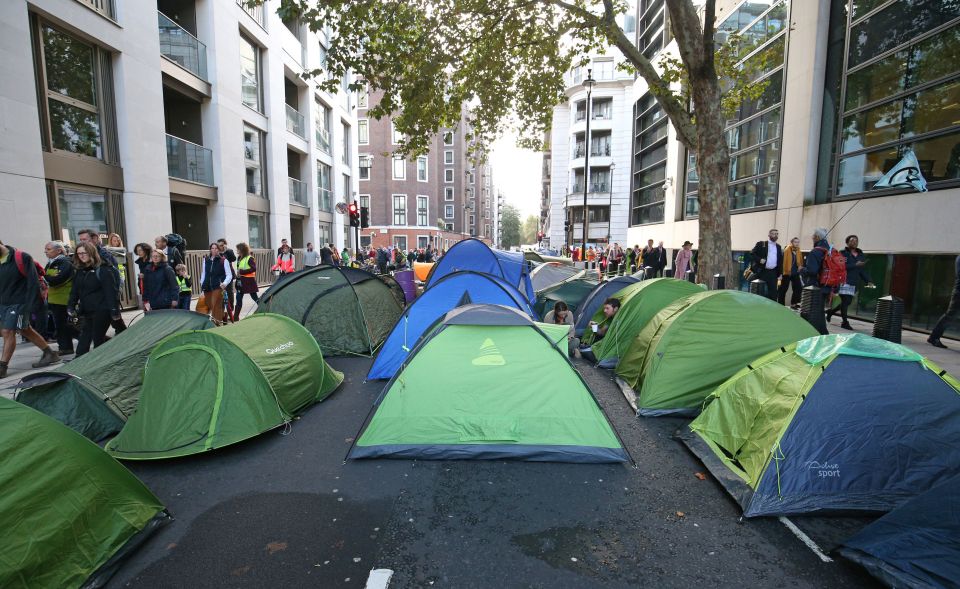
(448,157)
(580,111)
(602,109)
(471,177)
(399,168)
(253,160)
(257,231)
(473,220)
(603,69)
(364,167)
(422,168)
(448,211)
(81,208)
(399,209)
(448,138)
(448,175)
(365,201)
(396,136)
(363,131)
(363,96)
(423,241)
(422,210)
(345,157)
(322,115)
(401,242)
(324,186)
(448,193)
(250,74)
(326,232)
(78,109)
(449,228)
(649,163)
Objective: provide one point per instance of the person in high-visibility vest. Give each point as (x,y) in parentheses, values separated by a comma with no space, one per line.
(247,270)
(185,287)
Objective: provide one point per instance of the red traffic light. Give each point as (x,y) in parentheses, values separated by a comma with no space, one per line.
(353,208)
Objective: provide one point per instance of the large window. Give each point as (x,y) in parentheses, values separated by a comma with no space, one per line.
(651,32)
(325,186)
(253,161)
(365,165)
(399,168)
(649,162)
(901,93)
(81,209)
(322,122)
(448,211)
(257,231)
(363,131)
(422,211)
(345,157)
(363,96)
(448,157)
(250,93)
(399,209)
(422,168)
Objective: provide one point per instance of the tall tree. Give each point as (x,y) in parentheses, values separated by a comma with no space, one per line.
(510,226)
(507,58)
(529,229)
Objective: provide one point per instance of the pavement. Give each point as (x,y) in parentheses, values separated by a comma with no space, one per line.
(284,509)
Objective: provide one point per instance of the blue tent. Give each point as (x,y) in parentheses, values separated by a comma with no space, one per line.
(595,299)
(916,544)
(473,254)
(447,293)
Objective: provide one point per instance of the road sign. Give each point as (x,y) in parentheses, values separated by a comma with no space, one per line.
(341,208)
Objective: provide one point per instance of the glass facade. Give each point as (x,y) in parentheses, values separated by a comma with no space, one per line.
(649,162)
(250,93)
(652,35)
(753,131)
(257,230)
(253,160)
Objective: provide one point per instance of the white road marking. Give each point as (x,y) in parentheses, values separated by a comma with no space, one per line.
(379,579)
(805,539)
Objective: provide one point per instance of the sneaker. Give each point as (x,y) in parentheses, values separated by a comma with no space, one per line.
(3,370)
(845,325)
(935,342)
(49,357)
(68,352)
(829,316)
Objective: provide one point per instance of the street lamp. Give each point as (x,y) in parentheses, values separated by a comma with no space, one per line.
(613,166)
(588,84)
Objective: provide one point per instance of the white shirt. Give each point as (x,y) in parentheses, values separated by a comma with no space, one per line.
(772,260)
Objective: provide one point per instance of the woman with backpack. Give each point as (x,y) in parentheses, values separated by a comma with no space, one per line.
(214,279)
(247,269)
(93,300)
(160,287)
(285,261)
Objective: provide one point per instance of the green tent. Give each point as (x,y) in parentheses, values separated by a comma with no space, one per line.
(639,302)
(691,346)
(831,423)
(571,292)
(489,383)
(348,311)
(97,392)
(208,389)
(68,512)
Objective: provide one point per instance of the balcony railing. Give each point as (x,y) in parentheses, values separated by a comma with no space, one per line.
(579,150)
(594,188)
(295,122)
(603,114)
(189,161)
(178,45)
(298,192)
(254,11)
(600,150)
(326,199)
(580,115)
(104,7)
(323,140)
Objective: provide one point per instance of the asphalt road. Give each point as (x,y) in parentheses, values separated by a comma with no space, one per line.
(284,510)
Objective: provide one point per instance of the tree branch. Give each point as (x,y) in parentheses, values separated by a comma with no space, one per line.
(685,24)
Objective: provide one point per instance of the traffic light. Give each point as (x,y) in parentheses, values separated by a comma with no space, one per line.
(364,217)
(354,214)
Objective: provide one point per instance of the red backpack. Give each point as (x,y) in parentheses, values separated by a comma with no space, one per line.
(833,270)
(18,258)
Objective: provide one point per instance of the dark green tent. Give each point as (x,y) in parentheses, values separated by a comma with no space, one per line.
(97,392)
(571,292)
(207,389)
(68,512)
(348,311)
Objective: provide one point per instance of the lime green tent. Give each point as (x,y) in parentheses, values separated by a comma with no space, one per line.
(208,389)
(489,383)
(97,392)
(348,311)
(831,423)
(68,512)
(639,302)
(691,346)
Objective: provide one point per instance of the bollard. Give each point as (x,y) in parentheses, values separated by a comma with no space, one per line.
(888,322)
(668,272)
(811,308)
(758,287)
(719,282)
(690,277)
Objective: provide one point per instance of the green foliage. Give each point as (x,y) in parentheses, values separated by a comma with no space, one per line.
(528,232)
(510,227)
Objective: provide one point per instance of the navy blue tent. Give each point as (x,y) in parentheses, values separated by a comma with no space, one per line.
(916,544)
(447,293)
(473,254)
(595,299)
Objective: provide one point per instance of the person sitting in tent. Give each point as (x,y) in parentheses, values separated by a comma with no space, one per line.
(284,263)
(610,308)
(561,315)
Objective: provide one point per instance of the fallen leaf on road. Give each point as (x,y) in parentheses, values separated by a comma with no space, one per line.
(348,440)
(276,547)
(700,476)
(171,545)
(240,571)
(681,514)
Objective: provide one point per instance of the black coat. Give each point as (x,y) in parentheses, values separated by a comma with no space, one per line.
(160,287)
(759,252)
(94,289)
(813,262)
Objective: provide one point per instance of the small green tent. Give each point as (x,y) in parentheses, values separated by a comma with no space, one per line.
(691,346)
(97,392)
(348,311)
(208,389)
(639,302)
(489,383)
(571,292)
(68,512)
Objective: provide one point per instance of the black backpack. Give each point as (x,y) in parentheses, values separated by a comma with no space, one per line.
(178,243)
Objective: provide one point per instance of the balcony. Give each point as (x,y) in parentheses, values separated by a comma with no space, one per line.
(323,140)
(189,161)
(595,188)
(580,115)
(179,46)
(579,150)
(602,150)
(326,199)
(298,192)
(256,12)
(295,123)
(603,114)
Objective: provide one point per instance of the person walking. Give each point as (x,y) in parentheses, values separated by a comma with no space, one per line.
(184,287)
(650,257)
(856,272)
(345,257)
(335,254)
(591,257)
(230,292)
(285,261)
(172,253)
(19,297)
(325,255)
(683,261)
(247,268)
(790,274)
(93,302)
(950,314)
(59,276)
(814,262)
(767,257)
(109,262)
(214,279)
(311,257)
(160,287)
(661,259)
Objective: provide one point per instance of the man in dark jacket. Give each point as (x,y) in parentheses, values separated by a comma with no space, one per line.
(19,295)
(326,255)
(59,276)
(230,293)
(767,262)
(110,262)
(951,312)
(383,258)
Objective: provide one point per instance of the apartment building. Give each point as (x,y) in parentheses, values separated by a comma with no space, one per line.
(189,116)
(433,199)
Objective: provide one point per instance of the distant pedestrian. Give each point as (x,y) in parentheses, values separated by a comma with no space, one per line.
(950,314)
(767,257)
(19,298)
(856,272)
(170,250)
(813,264)
(109,262)
(683,261)
(93,300)
(229,293)
(214,279)
(160,288)
(59,276)
(184,287)
(345,257)
(650,257)
(247,268)
(285,261)
(326,256)
(311,257)
(335,254)
(283,243)
(661,259)
(790,277)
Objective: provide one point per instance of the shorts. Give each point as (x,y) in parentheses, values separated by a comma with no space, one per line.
(13,317)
